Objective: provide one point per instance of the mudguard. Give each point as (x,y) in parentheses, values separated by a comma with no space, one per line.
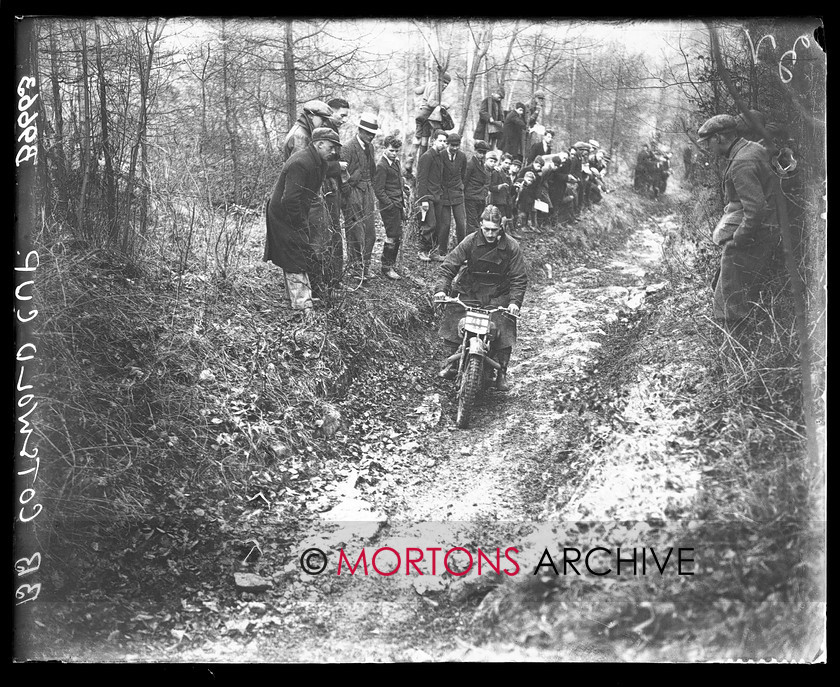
(477,346)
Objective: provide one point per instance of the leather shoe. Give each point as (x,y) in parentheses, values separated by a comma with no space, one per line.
(391,273)
(448,373)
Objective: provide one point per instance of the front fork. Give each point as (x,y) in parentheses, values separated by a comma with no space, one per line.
(470,346)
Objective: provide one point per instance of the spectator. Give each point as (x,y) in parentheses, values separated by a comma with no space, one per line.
(542,147)
(514,128)
(748,229)
(452,201)
(288,243)
(430,196)
(491,119)
(390,194)
(477,184)
(500,188)
(325,218)
(429,99)
(359,207)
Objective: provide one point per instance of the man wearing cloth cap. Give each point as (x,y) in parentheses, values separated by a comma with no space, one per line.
(452,199)
(288,230)
(747,231)
(490,119)
(359,206)
(477,185)
(324,219)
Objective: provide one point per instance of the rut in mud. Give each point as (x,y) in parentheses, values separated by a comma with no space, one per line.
(484,487)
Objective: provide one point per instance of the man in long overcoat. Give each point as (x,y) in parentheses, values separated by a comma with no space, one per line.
(429,196)
(289,234)
(324,217)
(490,112)
(748,229)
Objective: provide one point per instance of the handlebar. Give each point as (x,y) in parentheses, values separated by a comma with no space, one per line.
(456,299)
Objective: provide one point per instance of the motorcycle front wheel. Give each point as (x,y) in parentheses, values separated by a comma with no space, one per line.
(470,386)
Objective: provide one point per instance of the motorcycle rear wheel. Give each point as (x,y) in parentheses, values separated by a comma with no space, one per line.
(470,388)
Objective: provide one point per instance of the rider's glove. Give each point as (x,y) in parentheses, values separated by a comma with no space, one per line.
(513,309)
(439,296)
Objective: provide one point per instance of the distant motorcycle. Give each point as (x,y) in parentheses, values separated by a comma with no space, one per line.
(476,369)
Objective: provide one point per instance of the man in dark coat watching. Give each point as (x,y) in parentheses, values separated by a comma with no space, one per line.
(390,194)
(491,119)
(288,230)
(514,131)
(748,229)
(476,185)
(430,195)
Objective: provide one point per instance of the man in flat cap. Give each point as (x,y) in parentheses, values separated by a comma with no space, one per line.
(747,231)
(324,219)
(288,230)
(360,202)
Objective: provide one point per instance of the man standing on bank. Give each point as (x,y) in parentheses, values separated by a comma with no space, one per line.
(359,209)
(748,229)
(452,200)
(288,232)
(390,194)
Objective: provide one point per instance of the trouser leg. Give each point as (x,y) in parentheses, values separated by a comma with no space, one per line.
(449,369)
(299,290)
(368,227)
(473,208)
(742,270)
(460,214)
(444,213)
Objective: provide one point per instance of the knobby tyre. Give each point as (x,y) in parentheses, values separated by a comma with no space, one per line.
(470,387)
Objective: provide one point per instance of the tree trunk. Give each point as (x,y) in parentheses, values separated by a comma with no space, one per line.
(85,133)
(615,108)
(478,55)
(289,74)
(110,187)
(60,156)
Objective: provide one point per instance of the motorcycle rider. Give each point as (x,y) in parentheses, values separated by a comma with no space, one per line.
(487,268)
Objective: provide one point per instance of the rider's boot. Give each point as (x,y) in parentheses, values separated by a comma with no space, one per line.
(449,370)
(503,358)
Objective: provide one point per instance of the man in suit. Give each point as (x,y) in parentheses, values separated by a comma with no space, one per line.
(452,200)
(359,202)
(542,148)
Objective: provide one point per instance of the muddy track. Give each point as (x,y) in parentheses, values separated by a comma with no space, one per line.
(483,487)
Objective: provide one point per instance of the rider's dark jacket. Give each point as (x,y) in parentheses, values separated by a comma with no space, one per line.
(491,274)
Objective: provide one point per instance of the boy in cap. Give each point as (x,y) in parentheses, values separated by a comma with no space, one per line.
(288,233)
(359,202)
(747,231)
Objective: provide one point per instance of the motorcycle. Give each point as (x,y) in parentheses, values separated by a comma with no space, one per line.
(476,369)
